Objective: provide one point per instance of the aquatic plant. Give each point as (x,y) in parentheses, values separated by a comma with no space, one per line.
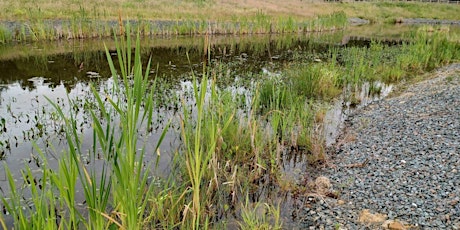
(314,80)
(5,35)
(120,181)
(260,216)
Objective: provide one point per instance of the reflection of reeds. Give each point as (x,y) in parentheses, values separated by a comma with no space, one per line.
(255,44)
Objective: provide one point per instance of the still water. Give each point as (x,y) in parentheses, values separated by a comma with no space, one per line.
(32,75)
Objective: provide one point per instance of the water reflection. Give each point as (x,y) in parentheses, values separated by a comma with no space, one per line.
(62,71)
(350,99)
(33,73)
(64,63)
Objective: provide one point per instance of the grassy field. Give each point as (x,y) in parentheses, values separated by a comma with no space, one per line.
(230,10)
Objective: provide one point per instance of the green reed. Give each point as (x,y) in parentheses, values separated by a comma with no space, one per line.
(5,35)
(200,141)
(82,25)
(421,52)
(318,81)
(118,190)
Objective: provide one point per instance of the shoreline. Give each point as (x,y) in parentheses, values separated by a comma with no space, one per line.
(60,29)
(397,162)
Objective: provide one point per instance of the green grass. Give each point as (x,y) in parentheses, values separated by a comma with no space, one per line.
(260,216)
(5,35)
(318,81)
(91,19)
(200,148)
(80,27)
(123,184)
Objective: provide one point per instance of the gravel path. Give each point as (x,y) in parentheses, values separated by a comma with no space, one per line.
(399,161)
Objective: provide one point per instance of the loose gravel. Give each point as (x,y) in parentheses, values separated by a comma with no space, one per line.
(398,157)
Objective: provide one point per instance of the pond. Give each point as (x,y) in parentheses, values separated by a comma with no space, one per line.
(32,75)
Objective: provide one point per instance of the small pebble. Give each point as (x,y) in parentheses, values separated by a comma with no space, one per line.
(411,141)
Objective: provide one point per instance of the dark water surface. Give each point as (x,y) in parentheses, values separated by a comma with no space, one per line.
(53,70)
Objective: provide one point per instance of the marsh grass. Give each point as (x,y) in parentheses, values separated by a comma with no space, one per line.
(300,87)
(273,94)
(230,144)
(117,190)
(5,35)
(200,146)
(81,26)
(318,81)
(423,51)
(260,216)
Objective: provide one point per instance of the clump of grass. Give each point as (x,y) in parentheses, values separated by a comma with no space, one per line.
(5,35)
(287,25)
(423,52)
(319,81)
(273,94)
(316,146)
(200,147)
(260,216)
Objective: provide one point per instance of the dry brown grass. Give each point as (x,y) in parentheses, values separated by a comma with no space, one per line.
(323,185)
(213,10)
(366,217)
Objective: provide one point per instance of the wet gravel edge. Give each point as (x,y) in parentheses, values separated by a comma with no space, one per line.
(398,158)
